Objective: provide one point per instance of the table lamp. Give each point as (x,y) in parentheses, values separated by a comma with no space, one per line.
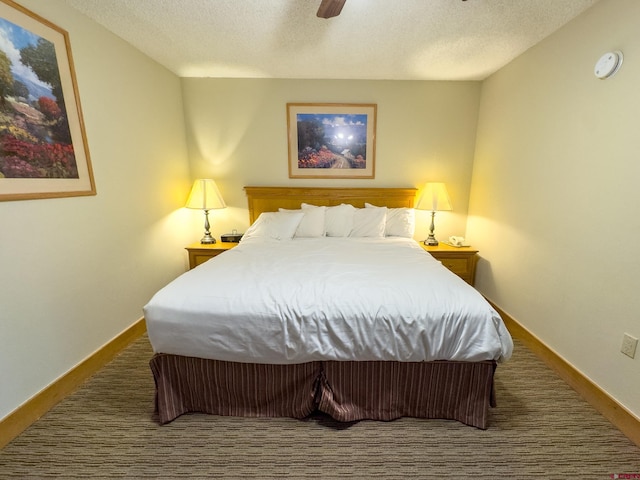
(205,196)
(435,198)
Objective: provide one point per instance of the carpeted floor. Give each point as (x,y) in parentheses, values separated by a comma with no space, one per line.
(541,429)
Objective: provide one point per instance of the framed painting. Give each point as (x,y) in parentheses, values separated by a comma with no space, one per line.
(331,140)
(43,146)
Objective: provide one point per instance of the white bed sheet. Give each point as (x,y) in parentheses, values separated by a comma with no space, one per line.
(308,299)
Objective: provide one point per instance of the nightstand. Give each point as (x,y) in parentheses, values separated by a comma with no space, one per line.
(460,260)
(200,252)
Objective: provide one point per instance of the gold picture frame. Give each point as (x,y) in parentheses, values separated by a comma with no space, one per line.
(43,145)
(331,140)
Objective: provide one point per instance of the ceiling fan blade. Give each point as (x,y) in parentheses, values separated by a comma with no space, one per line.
(330,8)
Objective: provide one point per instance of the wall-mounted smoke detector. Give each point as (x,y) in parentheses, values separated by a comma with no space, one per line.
(608,64)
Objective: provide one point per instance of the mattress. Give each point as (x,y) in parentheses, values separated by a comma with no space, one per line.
(313,299)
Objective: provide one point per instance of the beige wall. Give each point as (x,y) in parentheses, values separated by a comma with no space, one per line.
(425,132)
(75,272)
(555,197)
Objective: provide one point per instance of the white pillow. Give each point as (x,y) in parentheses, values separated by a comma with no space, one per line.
(401,222)
(338,221)
(278,225)
(369,222)
(312,223)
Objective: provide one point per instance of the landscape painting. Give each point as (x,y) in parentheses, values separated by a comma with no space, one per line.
(331,140)
(43,149)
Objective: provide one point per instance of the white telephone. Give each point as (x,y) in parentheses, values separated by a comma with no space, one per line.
(456,241)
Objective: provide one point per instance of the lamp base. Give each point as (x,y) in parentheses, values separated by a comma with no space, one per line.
(431,241)
(207,239)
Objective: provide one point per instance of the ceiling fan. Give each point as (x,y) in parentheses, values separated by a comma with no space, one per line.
(330,8)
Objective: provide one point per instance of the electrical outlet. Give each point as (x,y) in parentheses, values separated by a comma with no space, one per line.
(629,345)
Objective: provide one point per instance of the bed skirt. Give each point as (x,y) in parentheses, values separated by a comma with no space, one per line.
(347,391)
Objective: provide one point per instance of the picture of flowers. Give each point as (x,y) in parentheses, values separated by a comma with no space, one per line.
(331,140)
(43,150)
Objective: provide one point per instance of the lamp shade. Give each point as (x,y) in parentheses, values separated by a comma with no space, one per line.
(205,195)
(434,197)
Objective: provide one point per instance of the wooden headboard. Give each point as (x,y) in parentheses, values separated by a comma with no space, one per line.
(270,199)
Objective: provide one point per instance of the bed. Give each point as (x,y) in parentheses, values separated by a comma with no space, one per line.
(326,305)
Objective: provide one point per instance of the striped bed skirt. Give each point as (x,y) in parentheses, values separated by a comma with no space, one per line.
(347,391)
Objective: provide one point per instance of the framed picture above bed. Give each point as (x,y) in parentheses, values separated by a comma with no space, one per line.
(331,140)
(43,146)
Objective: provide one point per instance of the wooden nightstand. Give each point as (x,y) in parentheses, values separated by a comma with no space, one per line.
(200,253)
(460,260)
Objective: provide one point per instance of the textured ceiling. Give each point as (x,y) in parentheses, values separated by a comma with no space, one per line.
(371,39)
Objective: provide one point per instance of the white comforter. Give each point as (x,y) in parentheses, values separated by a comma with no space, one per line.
(284,302)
